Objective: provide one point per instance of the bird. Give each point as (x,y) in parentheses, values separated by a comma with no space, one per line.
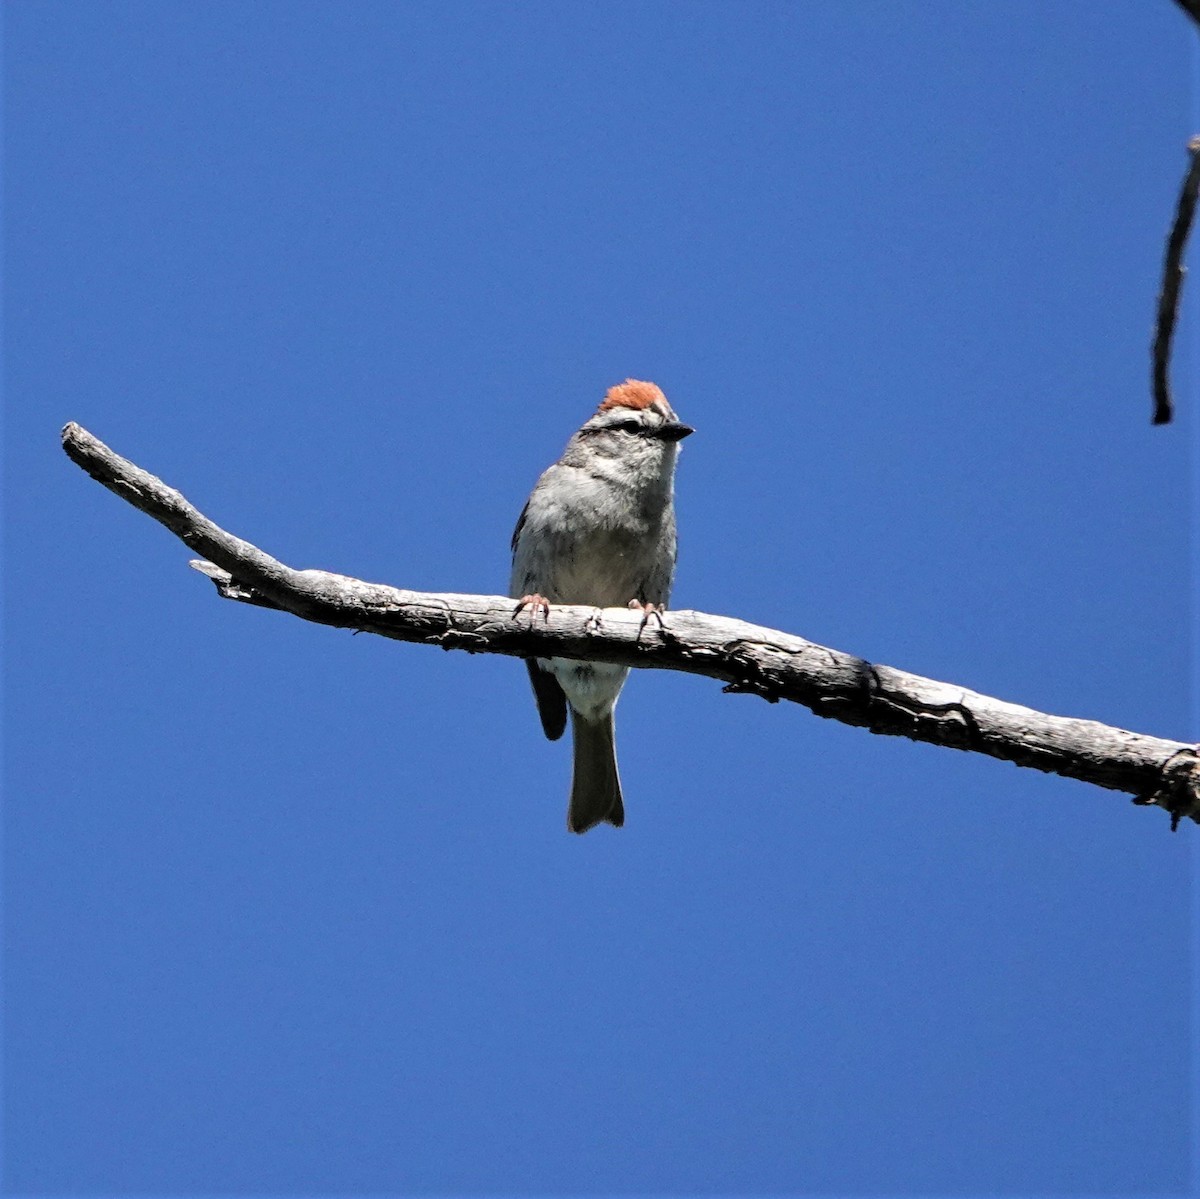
(599,528)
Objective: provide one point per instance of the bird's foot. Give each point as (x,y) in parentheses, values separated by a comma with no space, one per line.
(533,602)
(648,610)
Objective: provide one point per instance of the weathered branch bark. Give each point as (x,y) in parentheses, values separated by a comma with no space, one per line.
(746,657)
(1172,286)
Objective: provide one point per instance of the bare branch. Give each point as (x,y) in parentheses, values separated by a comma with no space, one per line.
(746,657)
(1172,284)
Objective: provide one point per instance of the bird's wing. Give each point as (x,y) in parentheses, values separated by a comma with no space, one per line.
(520,525)
(551,700)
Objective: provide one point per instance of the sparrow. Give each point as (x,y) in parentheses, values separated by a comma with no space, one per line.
(599,528)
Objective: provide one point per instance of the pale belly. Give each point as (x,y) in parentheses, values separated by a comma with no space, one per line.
(591,688)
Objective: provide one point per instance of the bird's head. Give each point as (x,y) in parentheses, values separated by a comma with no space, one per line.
(633,417)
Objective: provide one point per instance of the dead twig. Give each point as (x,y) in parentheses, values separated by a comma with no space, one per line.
(1173,273)
(1192,8)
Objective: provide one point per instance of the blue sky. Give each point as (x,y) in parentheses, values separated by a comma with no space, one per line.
(293,912)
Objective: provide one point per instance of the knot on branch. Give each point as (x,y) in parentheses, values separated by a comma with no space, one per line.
(1178,790)
(230,588)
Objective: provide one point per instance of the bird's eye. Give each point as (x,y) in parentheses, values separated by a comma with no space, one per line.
(629,426)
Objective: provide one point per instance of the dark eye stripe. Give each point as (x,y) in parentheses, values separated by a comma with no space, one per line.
(625,426)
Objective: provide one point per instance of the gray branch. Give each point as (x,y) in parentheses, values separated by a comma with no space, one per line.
(745,657)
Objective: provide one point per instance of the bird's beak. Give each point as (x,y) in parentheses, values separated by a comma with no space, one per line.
(675,431)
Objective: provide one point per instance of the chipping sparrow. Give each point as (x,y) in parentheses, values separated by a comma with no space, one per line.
(599,528)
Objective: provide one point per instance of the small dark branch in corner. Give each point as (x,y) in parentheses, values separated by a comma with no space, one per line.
(1173,272)
(1192,8)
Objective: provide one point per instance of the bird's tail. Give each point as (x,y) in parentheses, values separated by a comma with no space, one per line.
(595,784)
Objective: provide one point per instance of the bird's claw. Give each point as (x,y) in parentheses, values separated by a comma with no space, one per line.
(533,602)
(647,611)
